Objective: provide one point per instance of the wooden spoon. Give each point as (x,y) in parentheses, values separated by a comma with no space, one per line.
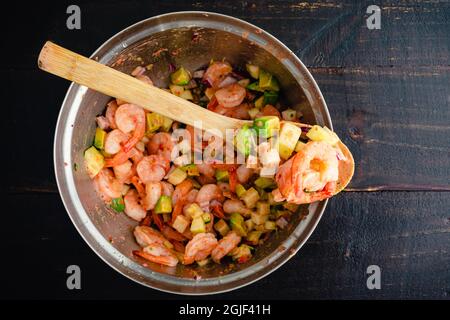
(94,75)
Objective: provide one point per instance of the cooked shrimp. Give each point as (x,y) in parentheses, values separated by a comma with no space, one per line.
(121,157)
(216,72)
(131,118)
(191,196)
(132,207)
(152,168)
(167,188)
(144,79)
(161,143)
(270,110)
(124,171)
(108,186)
(146,235)
(110,113)
(225,246)
(199,248)
(295,175)
(181,190)
(158,253)
(172,234)
(206,169)
(231,96)
(239,112)
(114,140)
(236,206)
(244,173)
(153,191)
(206,194)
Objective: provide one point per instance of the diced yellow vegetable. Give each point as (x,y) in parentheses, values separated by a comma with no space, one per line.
(299,146)
(237,224)
(194,210)
(249,224)
(259,219)
(198,225)
(289,136)
(222,227)
(154,122)
(240,190)
(253,112)
(181,223)
(176,90)
(187,95)
(177,176)
(253,237)
(259,103)
(262,208)
(250,198)
(94,161)
(270,225)
(317,133)
(167,124)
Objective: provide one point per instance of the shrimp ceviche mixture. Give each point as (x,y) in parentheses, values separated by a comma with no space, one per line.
(210,211)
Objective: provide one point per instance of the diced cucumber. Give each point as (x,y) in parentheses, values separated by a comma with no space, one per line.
(259,103)
(245,140)
(240,190)
(176,90)
(118,204)
(206,218)
(267,126)
(289,115)
(181,223)
(94,161)
(289,136)
(164,205)
(194,210)
(263,182)
(221,175)
(255,87)
(252,70)
(99,139)
(190,169)
(154,122)
(317,133)
(267,81)
(177,176)
(222,227)
(270,97)
(198,225)
(180,77)
(237,224)
(250,198)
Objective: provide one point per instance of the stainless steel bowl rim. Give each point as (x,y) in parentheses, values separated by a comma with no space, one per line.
(132,269)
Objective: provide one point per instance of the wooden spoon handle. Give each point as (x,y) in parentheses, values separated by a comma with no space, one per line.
(74,67)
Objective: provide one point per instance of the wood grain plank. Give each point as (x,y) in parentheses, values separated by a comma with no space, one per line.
(405,233)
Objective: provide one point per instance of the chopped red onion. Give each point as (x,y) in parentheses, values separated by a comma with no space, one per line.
(102,122)
(305,129)
(172,67)
(281,222)
(237,75)
(229,80)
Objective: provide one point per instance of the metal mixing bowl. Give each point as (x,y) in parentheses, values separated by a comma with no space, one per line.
(190,39)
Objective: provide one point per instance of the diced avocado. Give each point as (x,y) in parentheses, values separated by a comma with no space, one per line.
(263,182)
(180,77)
(181,223)
(253,112)
(259,103)
(254,86)
(166,124)
(289,115)
(164,205)
(118,204)
(299,146)
(317,133)
(250,198)
(289,136)
(198,225)
(252,70)
(246,140)
(267,126)
(176,90)
(222,227)
(187,95)
(94,161)
(244,82)
(240,190)
(194,211)
(237,224)
(270,97)
(206,218)
(190,169)
(221,175)
(99,139)
(267,81)
(270,225)
(253,237)
(177,176)
(154,122)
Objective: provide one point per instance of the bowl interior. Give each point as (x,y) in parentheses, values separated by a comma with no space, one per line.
(158,45)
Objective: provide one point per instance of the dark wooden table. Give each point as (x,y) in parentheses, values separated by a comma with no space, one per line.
(388,92)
